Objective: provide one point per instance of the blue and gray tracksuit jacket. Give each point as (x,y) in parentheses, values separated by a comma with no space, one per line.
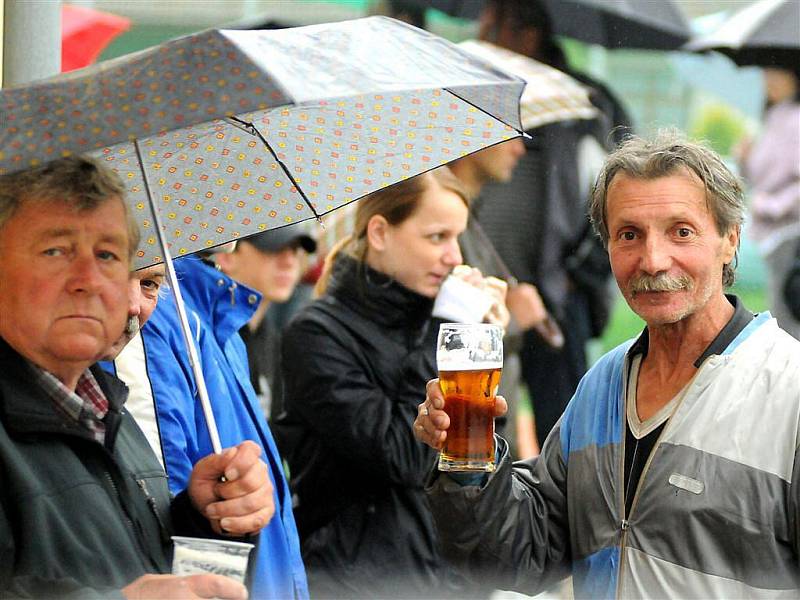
(715,515)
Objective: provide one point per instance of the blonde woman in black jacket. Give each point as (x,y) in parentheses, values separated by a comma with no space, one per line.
(355,363)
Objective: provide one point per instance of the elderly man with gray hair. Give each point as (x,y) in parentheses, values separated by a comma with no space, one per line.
(672,471)
(84,506)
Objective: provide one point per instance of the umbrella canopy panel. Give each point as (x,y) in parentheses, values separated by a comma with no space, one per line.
(217,73)
(222,181)
(358,57)
(181,82)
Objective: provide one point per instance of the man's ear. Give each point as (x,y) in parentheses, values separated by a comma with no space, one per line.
(731,243)
(225,260)
(377,230)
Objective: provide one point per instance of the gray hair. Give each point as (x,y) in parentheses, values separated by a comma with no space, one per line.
(669,153)
(79,182)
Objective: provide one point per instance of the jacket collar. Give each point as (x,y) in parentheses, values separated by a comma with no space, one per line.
(377,296)
(215,296)
(740,319)
(26,409)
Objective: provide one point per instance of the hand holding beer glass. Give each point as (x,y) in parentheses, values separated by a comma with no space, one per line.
(469,357)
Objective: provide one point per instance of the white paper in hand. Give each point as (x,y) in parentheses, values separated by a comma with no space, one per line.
(460,302)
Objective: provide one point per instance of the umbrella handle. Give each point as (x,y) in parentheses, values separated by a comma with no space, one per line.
(194,360)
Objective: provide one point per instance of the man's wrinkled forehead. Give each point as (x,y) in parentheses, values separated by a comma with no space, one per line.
(58,232)
(47,226)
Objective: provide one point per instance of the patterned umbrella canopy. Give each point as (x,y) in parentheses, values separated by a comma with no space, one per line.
(237,132)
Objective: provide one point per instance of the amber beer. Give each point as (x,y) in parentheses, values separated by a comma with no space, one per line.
(469,398)
(470,360)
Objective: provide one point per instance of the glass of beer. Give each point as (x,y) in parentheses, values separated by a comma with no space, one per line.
(469,357)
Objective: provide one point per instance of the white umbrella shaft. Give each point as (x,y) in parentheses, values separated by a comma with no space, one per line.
(194,359)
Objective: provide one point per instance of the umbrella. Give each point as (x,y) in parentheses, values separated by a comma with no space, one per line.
(229,133)
(642,24)
(765,33)
(85,32)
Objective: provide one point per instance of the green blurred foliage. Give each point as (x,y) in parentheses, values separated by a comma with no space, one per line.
(720,125)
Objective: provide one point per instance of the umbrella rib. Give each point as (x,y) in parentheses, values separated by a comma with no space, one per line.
(253,130)
(172,277)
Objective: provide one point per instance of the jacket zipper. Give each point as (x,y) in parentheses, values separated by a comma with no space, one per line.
(113,485)
(625,521)
(151,502)
(131,525)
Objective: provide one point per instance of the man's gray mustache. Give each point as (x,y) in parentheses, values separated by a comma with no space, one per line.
(660,283)
(132,326)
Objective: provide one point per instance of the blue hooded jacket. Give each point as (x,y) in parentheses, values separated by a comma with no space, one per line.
(217,307)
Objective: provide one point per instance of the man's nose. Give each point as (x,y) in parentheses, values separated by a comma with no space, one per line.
(134,298)
(656,256)
(85,275)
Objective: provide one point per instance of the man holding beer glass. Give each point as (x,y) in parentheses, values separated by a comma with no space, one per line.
(672,471)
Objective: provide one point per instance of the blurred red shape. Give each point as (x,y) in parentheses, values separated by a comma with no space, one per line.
(85,33)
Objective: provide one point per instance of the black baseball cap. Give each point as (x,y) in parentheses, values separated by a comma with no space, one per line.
(278,239)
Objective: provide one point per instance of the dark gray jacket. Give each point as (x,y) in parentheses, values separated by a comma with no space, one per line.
(78,519)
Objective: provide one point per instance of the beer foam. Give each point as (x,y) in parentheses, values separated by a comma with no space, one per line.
(468,366)
(465,359)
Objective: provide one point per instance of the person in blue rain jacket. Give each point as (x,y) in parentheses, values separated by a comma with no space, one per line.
(217,307)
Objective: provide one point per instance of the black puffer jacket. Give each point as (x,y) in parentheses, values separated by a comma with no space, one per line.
(78,519)
(355,364)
